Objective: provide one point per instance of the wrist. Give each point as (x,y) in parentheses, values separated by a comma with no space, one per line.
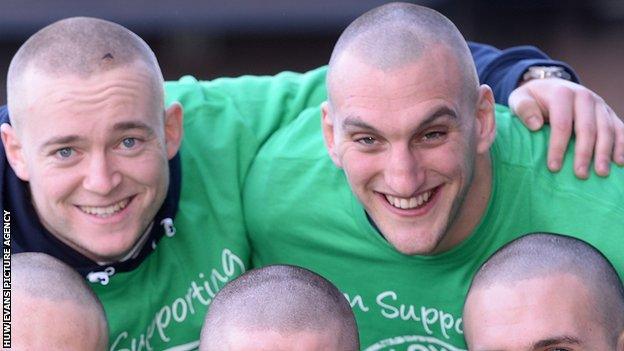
(545,72)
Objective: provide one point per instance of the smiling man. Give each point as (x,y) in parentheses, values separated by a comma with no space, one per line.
(425,178)
(92,144)
(95,173)
(545,292)
(407,143)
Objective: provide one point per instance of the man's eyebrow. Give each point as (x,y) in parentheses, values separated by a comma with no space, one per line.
(121,126)
(353,121)
(563,339)
(59,140)
(443,111)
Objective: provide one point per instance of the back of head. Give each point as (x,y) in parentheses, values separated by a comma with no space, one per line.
(540,255)
(397,34)
(78,46)
(68,314)
(282,299)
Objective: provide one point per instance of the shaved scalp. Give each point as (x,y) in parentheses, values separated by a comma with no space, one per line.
(281,298)
(82,47)
(540,255)
(397,34)
(43,280)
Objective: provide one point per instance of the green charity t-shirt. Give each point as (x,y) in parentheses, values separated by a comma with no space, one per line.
(161,304)
(300,210)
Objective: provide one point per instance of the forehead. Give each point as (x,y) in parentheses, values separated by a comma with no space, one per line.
(69,100)
(431,79)
(521,314)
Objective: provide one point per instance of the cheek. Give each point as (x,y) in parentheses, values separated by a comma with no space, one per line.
(150,170)
(52,185)
(361,168)
(452,159)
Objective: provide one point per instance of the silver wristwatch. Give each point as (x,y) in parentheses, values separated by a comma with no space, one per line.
(542,72)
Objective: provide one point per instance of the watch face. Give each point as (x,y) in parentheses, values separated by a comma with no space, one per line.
(542,72)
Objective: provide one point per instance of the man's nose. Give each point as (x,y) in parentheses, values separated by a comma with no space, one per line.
(404,172)
(101,175)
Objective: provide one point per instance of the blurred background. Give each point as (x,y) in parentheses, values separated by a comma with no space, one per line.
(209,39)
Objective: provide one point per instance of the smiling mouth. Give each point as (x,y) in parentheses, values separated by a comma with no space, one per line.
(411,203)
(106,211)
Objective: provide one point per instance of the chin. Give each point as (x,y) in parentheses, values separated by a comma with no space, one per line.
(108,251)
(410,250)
(110,255)
(419,247)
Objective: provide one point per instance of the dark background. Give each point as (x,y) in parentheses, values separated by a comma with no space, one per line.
(211,38)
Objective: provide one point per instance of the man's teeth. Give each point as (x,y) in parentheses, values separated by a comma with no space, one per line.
(105,211)
(409,203)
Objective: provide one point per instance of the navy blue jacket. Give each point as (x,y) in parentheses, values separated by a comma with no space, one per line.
(502,70)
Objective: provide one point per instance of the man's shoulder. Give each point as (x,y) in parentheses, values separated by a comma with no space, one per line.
(515,144)
(246,87)
(518,152)
(301,139)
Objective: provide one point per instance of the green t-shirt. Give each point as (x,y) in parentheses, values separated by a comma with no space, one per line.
(161,304)
(300,210)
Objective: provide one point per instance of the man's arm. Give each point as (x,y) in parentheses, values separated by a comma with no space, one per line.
(503,70)
(259,104)
(564,104)
(569,107)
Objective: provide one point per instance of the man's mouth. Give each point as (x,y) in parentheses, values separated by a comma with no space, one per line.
(411,203)
(106,211)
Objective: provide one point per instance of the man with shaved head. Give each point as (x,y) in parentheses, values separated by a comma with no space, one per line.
(279,307)
(52,93)
(545,291)
(95,170)
(53,308)
(95,176)
(412,178)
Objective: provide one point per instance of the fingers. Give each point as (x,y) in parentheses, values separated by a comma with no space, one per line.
(618,148)
(585,130)
(604,140)
(561,116)
(527,108)
(565,105)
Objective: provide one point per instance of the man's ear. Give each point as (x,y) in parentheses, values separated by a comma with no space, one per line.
(327,124)
(173,128)
(486,123)
(14,151)
(620,343)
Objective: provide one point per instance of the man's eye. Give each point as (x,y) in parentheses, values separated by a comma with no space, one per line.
(129,143)
(433,135)
(65,152)
(366,141)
